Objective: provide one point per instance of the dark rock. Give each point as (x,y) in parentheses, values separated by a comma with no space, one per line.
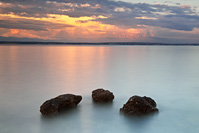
(101,95)
(53,106)
(139,105)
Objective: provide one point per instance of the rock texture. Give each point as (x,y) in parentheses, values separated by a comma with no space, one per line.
(101,95)
(53,106)
(139,105)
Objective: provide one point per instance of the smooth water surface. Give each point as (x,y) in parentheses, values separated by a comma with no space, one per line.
(29,75)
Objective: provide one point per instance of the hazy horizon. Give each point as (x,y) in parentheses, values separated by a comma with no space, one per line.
(26,41)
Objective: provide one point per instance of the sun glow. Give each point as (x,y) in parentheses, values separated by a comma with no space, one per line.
(83,28)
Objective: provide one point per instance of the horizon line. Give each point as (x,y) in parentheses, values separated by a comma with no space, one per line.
(90,43)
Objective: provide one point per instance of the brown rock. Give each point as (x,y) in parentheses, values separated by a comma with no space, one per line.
(54,105)
(101,95)
(139,105)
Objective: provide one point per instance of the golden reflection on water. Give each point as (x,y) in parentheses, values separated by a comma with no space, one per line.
(75,64)
(62,65)
(11,55)
(37,73)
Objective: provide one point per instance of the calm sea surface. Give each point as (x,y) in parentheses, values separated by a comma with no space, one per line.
(30,75)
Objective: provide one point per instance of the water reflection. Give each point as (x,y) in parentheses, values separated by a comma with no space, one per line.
(140,123)
(64,121)
(73,65)
(63,113)
(31,74)
(102,104)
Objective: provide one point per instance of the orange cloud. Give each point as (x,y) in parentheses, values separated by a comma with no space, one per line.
(14,31)
(185,6)
(24,34)
(152,18)
(83,29)
(3,5)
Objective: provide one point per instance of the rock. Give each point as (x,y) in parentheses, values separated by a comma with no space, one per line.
(137,105)
(54,105)
(101,95)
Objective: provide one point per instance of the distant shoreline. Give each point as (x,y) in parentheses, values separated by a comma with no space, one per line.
(88,43)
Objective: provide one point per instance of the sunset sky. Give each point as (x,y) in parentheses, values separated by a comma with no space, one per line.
(166,21)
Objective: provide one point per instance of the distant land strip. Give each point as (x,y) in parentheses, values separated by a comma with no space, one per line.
(98,43)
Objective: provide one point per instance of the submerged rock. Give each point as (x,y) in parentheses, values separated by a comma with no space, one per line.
(54,105)
(139,105)
(101,95)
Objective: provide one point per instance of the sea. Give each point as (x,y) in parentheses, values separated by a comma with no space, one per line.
(32,74)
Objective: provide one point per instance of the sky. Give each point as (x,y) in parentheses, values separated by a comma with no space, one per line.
(163,21)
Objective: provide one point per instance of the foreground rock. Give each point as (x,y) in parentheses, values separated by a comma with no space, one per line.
(139,105)
(101,95)
(53,106)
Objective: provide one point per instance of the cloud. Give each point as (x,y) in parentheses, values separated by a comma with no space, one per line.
(185,6)
(173,36)
(181,18)
(29,24)
(147,18)
(117,12)
(23,39)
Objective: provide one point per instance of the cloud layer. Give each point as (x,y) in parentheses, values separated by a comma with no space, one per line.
(149,19)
